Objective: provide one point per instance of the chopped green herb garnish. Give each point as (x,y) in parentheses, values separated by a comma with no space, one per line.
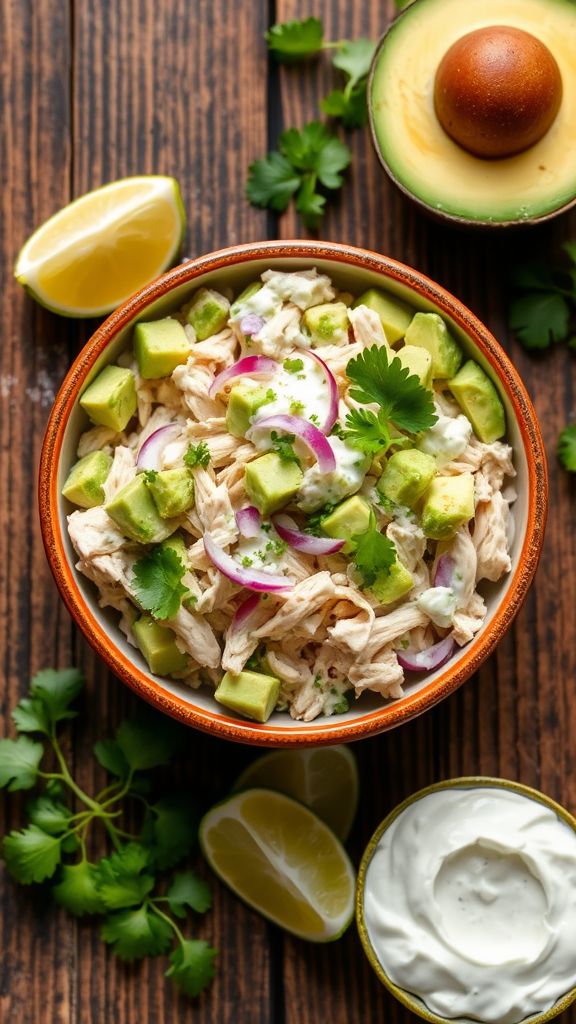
(247,562)
(374,555)
(314,520)
(296,408)
(158,584)
(314,419)
(283,445)
(270,396)
(197,455)
(567,448)
(341,707)
(317,682)
(150,475)
(354,58)
(293,365)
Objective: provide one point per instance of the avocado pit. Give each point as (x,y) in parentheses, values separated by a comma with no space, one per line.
(497,91)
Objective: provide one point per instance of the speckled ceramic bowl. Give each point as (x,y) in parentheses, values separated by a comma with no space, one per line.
(355,270)
(408,999)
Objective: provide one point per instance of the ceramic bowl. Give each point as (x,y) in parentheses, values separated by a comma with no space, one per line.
(351,269)
(408,999)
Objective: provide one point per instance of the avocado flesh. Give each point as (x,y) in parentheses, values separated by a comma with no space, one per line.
(110,400)
(418,362)
(272,482)
(393,585)
(208,313)
(172,491)
(352,517)
(448,505)
(160,346)
(327,324)
(419,155)
(85,482)
(244,401)
(135,513)
(479,401)
(428,331)
(406,476)
(251,694)
(158,645)
(394,314)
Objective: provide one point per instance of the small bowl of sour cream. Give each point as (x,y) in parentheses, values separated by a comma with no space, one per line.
(466,903)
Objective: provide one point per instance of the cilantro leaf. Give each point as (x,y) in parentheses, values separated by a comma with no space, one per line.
(539,318)
(31,855)
(158,586)
(56,689)
(283,445)
(136,933)
(314,148)
(293,41)
(50,815)
(111,757)
(354,58)
(192,966)
(367,431)
(76,891)
(148,741)
(124,879)
(272,181)
(188,890)
(374,555)
(567,448)
(310,203)
(170,829)
(30,715)
(314,519)
(197,455)
(350,107)
(293,365)
(399,393)
(19,760)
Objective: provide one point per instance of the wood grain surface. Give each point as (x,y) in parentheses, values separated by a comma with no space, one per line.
(91,91)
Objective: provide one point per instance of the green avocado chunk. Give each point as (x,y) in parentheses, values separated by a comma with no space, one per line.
(479,400)
(448,505)
(327,324)
(393,585)
(250,693)
(406,476)
(244,400)
(173,491)
(347,520)
(158,645)
(160,346)
(418,361)
(394,314)
(176,544)
(271,482)
(84,483)
(134,512)
(428,330)
(110,400)
(208,313)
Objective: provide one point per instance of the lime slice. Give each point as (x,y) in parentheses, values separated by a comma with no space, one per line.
(325,779)
(283,861)
(93,254)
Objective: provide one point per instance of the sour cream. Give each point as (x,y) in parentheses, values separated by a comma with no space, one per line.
(447,438)
(305,392)
(329,488)
(470,904)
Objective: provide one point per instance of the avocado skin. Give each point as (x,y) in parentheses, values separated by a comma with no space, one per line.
(449,504)
(208,313)
(157,644)
(251,694)
(271,482)
(406,476)
(85,482)
(479,400)
(135,514)
(394,314)
(352,517)
(160,346)
(110,400)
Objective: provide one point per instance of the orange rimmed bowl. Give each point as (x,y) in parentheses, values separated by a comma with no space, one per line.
(352,270)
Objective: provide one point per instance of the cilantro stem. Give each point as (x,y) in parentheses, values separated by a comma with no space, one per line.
(121,792)
(67,778)
(169,920)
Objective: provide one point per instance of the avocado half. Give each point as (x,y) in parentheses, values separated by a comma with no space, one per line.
(423,160)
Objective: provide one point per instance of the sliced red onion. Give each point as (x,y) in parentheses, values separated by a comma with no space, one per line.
(251,324)
(249,521)
(444,573)
(244,611)
(312,437)
(334,397)
(254,365)
(154,445)
(252,579)
(425,661)
(287,529)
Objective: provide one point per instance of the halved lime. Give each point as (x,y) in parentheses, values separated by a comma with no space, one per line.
(94,253)
(324,778)
(283,861)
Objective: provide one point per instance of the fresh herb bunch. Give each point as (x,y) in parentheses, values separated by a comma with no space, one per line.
(542,309)
(122,887)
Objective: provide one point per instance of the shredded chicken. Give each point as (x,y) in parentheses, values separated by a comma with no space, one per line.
(491,538)
(194,636)
(98,439)
(367,327)
(194,380)
(122,472)
(93,533)
(214,508)
(383,675)
(409,541)
(387,628)
(468,621)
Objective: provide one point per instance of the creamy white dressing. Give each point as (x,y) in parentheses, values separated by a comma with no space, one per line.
(447,439)
(264,552)
(328,488)
(470,904)
(305,289)
(304,393)
(439,604)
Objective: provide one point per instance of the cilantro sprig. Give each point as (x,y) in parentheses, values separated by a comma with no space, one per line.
(542,308)
(402,399)
(283,445)
(122,887)
(197,455)
(374,555)
(158,583)
(567,448)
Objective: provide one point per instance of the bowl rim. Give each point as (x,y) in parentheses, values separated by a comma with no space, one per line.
(408,999)
(388,715)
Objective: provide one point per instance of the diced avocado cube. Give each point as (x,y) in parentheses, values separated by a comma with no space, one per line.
(135,513)
(110,400)
(348,519)
(448,505)
(394,584)
(208,313)
(428,330)
(84,483)
(173,491)
(246,294)
(158,646)
(394,314)
(406,476)
(418,362)
(271,482)
(176,543)
(479,400)
(243,402)
(250,694)
(160,346)
(327,324)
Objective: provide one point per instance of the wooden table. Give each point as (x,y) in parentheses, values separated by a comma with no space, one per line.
(90,92)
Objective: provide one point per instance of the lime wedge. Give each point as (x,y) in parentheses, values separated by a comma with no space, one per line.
(278,857)
(94,253)
(325,779)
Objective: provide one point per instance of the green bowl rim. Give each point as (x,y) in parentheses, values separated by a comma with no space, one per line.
(408,999)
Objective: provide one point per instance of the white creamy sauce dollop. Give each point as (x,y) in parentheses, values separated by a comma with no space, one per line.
(303,393)
(329,488)
(470,903)
(447,439)
(308,288)
(439,604)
